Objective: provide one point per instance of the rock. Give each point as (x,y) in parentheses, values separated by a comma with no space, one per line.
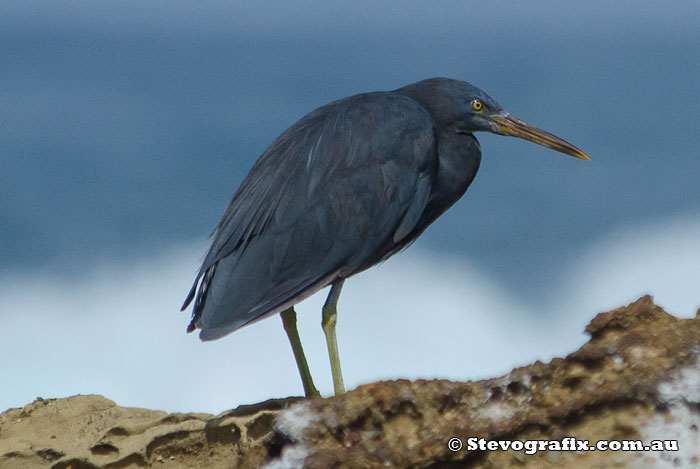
(638,378)
(85,432)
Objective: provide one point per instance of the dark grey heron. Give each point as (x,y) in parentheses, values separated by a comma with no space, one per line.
(345,187)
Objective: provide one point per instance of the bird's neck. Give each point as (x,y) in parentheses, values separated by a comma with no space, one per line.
(459,159)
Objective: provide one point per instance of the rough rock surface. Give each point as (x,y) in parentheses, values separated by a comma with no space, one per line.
(638,378)
(86,432)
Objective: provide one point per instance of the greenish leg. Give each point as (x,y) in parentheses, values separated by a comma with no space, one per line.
(330,318)
(289,320)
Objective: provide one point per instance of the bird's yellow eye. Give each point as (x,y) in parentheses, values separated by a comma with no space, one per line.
(477,105)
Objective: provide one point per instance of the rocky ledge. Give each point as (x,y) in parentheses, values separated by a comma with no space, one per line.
(638,378)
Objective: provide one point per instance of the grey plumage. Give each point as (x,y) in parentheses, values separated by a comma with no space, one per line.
(342,189)
(335,193)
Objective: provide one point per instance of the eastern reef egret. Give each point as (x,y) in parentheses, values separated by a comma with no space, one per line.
(345,187)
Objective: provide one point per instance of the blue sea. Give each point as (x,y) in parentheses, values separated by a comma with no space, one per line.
(126,127)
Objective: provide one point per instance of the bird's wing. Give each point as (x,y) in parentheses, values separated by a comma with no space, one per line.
(334,194)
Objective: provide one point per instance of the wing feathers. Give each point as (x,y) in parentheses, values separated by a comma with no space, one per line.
(333,194)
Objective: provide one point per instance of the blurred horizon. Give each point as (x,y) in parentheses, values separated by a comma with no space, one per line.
(126,127)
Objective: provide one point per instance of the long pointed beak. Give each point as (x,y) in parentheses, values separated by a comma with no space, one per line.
(511,125)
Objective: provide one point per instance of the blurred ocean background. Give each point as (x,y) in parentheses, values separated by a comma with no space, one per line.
(125,128)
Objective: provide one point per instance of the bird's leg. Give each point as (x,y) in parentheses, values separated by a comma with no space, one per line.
(289,320)
(330,317)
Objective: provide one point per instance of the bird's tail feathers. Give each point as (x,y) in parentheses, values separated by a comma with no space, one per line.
(201,298)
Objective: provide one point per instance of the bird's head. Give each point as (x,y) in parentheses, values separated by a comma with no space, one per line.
(464,108)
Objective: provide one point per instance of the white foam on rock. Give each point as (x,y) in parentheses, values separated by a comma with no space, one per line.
(681,421)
